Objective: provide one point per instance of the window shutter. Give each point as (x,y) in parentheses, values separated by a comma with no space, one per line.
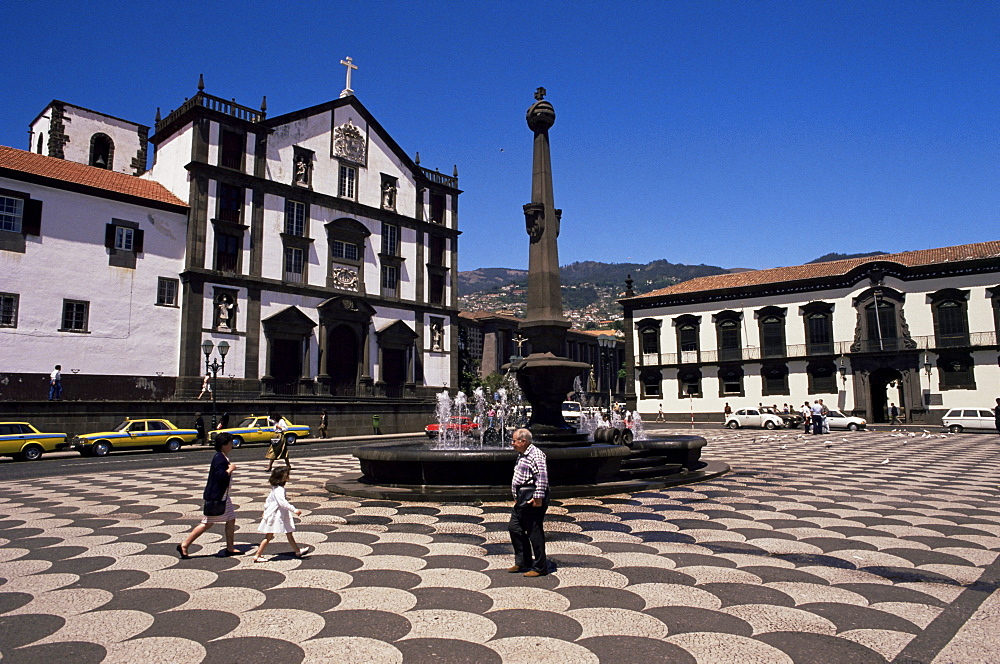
(31,221)
(137,236)
(109,236)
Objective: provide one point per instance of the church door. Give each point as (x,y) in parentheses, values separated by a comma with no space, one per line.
(394,370)
(342,362)
(886,388)
(286,365)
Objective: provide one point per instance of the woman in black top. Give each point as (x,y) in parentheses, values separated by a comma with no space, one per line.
(220,476)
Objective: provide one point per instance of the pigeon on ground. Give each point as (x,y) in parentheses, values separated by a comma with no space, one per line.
(885,462)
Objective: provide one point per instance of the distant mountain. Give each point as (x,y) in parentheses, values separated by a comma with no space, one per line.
(839,257)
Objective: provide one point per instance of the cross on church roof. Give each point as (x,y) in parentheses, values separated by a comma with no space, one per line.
(349,63)
(540,94)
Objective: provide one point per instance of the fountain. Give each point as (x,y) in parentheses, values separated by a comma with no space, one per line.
(620,458)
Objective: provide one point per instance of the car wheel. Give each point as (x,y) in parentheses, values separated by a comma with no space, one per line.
(31,453)
(237,442)
(955,428)
(290,439)
(173,445)
(769,424)
(733,424)
(852,426)
(100,448)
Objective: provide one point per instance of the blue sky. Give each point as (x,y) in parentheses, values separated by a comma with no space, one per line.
(741,134)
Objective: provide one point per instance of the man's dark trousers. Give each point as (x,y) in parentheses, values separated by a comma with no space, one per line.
(528,538)
(817,425)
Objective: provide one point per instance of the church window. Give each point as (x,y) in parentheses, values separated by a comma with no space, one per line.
(727,327)
(345,250)
(227,252)
(295,214)
(731,381)
(390,281)
(230,202)
(348,181)
(822,378)
(689,383)
(8,309)
(880,317)
(232,148)
(436,288)
(436,249)
(437,208)
(294,265)
(775,377)
(11,214)
(75,314)
(957,373)
(101,151)
(41,141)
(166,292)
(772,336)
(390,240)
(819,334)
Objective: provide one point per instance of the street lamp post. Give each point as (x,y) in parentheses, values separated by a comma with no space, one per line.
(607,344)
(214,368)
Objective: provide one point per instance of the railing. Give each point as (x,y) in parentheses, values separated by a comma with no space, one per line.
(439,178)
(216,104)
(755,353)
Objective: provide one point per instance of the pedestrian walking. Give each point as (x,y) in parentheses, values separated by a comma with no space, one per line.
(55,384)
(893,414)
(996,415)
(659,414)
(322,425)
(199,426)
(277,517)
(806,413)
(206,386)
(224,421)
(278,449)
(218,504)
(726,412)
(530,487)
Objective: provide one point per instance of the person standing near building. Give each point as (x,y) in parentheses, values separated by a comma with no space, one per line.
(659,414)
(322,424)
(55,384)
(278,449)
(726,412)
(817,417)
(530,487)
(996,415)
(199,426)
(893,414)
(806,413)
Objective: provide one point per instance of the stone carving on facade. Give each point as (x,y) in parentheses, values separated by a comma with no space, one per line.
(437,336)
(301,170)
(389,195)
(224,308)
(349,143)
(344,278)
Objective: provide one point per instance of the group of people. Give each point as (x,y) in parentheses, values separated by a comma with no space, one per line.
(529,488)
(814,417)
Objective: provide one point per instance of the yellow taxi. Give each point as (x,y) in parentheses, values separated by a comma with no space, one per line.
(135,434)
(258,429)
(26,443)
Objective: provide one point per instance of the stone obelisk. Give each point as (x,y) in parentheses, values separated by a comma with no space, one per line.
(544,376)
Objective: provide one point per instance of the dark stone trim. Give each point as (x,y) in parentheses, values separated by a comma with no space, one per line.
(97,192)
(197,223)
(111,151)
(57,130)
(256,232)
(192,307)
(252,354)
(138,163)
(200,114)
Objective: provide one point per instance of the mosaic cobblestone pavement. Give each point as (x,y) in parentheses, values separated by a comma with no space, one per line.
(855,547)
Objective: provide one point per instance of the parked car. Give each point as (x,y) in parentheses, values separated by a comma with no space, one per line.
(26,443)
(752,417)
(792,420)
(837,420)
(258,429)
(466,426)
(135,434)
(958,420)
(571,411)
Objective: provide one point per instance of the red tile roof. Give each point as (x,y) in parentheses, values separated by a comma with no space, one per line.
(481,315)
(88,176)
(751,278)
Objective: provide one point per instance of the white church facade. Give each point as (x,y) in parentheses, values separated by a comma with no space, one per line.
(310,243)
(917,329)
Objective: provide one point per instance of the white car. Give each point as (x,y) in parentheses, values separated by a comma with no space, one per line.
(958,420)
(837,420)
(752,417)
(571,411)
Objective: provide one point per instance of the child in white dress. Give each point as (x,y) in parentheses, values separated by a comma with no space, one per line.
(277,517)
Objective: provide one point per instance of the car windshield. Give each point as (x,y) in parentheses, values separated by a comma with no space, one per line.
(571,406)
(248,422)
(123,426)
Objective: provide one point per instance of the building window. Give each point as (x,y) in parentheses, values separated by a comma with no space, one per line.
(11,214)
(730,381)
(345,250)
(651,384)
(294,265)
(74,317)
(436,250)
(775,379)
(689,383)
(230,202)
(390,240)
(232,148)
(348,181)
(41,141)
(819,334)
(227,252)
(123,238)
(8,309)
(957,373)
(295,218)
(730,340)
(650,342)
(772,336)
(437,208)
(390,281)
(687,338)
(102,151)
(436,288)
(880,317)
(166,292)
(951,321)
(822,378)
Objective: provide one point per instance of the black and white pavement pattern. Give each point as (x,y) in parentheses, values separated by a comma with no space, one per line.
(853,547)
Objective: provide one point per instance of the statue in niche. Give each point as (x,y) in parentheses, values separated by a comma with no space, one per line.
(349,143)
(224,311)
(301,170)
(388,195)
(437,336)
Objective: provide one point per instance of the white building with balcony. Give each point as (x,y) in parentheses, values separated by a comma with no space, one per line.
(917,329)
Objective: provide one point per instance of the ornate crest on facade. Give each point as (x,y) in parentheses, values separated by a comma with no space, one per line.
(349,143)
(344,278)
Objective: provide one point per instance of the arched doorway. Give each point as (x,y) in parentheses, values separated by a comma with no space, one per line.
(342,360)
(886,387)
(286,365)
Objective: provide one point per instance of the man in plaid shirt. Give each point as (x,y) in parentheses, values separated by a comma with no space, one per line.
(526,534)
